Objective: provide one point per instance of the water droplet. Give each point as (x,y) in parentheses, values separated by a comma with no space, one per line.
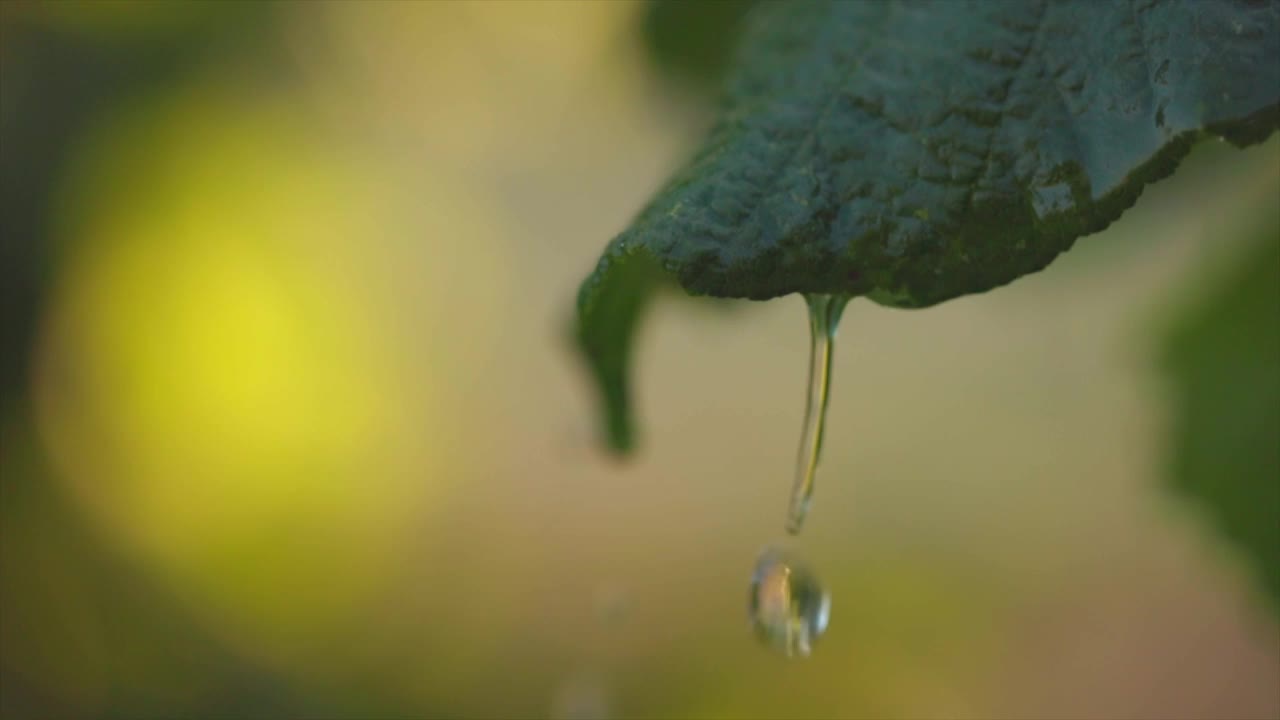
(824,317)
(789,607)
(1049,199)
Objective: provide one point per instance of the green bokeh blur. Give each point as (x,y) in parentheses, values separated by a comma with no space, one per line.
(289,426)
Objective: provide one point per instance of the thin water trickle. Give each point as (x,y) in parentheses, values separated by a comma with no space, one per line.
(788,606)
(824,318)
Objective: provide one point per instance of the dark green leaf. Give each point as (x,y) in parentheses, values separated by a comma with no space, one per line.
(915,152)
(1225,361)
(693,39)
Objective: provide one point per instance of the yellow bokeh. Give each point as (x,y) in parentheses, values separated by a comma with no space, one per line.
(223,380)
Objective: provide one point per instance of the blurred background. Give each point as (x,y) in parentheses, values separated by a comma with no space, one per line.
(290,426)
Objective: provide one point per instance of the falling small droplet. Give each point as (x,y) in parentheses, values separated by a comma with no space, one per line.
(789,607)
(824,318)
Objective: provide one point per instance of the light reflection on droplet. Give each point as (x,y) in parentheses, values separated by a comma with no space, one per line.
(788,606)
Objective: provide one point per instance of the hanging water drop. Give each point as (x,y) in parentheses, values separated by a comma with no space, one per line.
(824,317)
(788,606)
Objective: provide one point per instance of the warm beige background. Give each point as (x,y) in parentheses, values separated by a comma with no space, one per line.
(305,367)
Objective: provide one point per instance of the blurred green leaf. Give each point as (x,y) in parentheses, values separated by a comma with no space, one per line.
(693,40)
(916,152)
(607,346)
(1224,357)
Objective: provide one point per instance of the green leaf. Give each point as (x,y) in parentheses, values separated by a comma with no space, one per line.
(692,40)
(1224,358)
(916,152)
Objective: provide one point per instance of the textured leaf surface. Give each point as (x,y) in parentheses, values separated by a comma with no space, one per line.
(913,152)
(1225,362)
